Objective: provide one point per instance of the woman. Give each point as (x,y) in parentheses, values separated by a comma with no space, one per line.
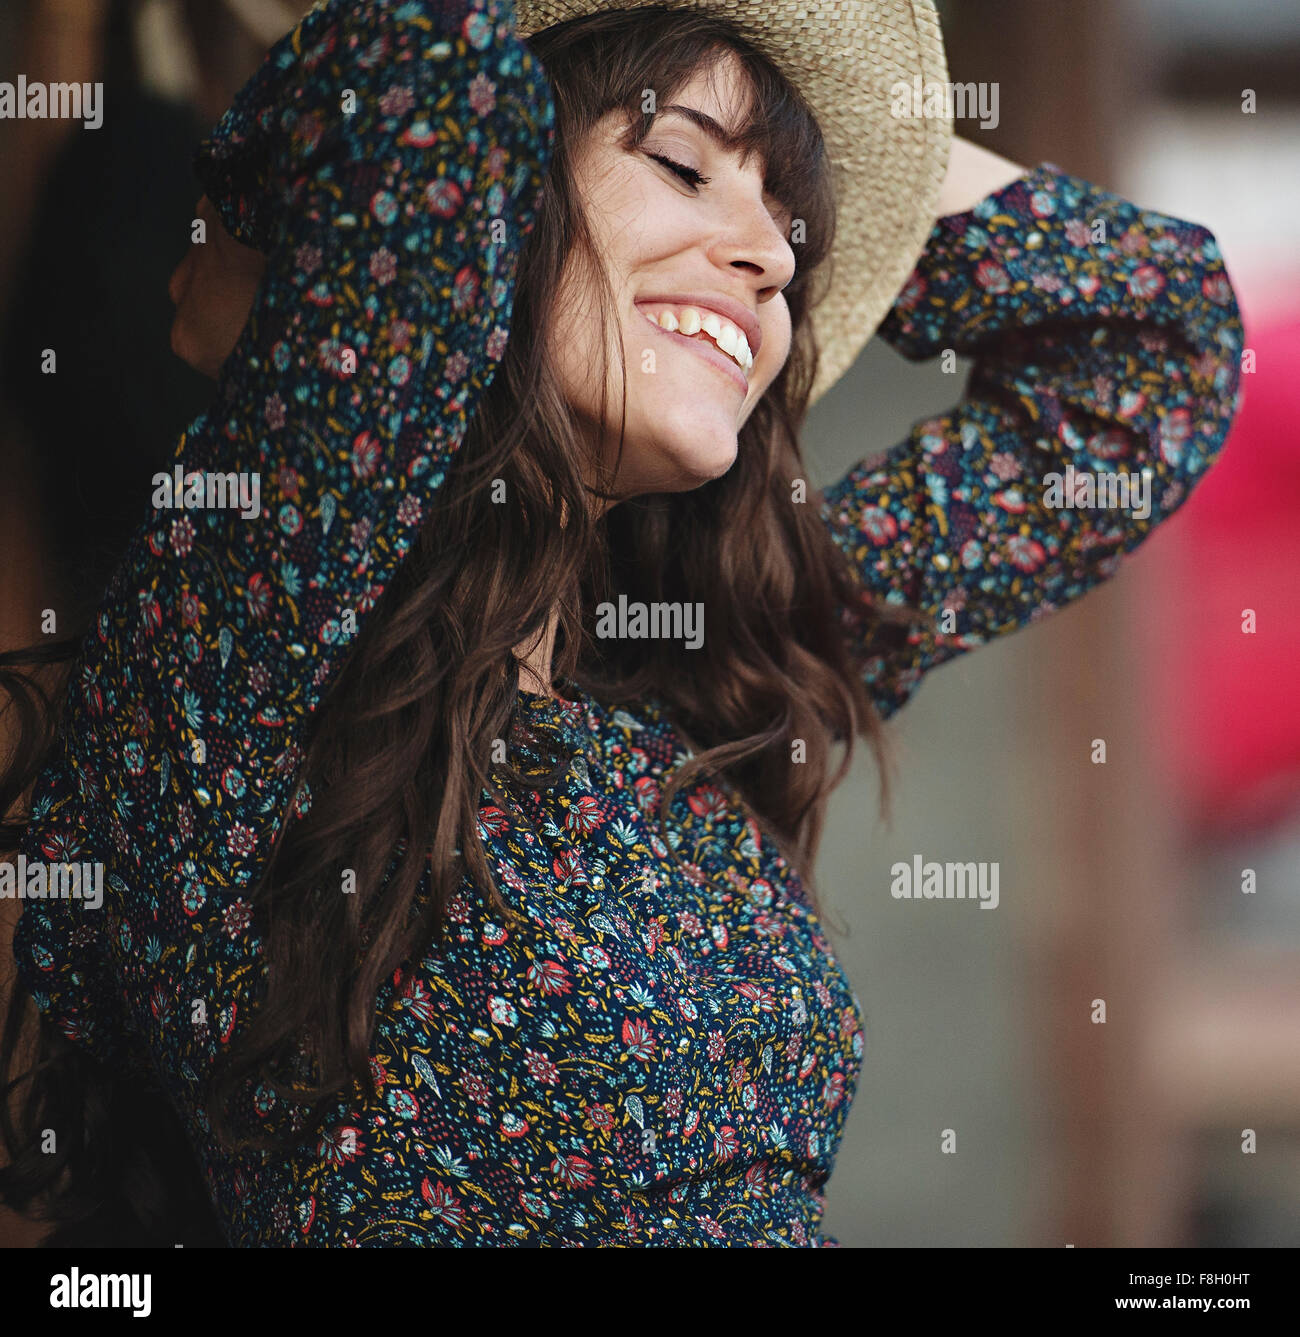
(445,902)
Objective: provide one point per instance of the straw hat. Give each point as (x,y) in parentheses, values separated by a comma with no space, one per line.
(845,57)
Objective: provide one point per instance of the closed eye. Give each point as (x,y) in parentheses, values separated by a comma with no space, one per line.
(694,178)
(687,174)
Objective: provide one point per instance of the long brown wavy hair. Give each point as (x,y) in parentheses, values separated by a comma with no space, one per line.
(403,744)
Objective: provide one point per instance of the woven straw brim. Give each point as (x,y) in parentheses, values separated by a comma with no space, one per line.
(845,57)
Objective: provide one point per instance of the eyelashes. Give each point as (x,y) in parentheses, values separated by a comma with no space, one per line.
(687,174)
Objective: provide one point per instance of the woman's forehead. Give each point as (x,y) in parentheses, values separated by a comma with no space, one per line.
(721,87)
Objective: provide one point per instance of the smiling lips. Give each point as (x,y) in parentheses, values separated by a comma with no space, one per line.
(705,326)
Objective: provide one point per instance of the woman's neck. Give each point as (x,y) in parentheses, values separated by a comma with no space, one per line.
(535,659)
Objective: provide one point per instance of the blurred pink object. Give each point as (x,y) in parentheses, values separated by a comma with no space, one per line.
(1228,703)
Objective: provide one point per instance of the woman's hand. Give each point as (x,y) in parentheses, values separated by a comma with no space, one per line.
(973,173)
(213,290)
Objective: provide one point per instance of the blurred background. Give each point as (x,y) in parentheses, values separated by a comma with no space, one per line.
(1121,882)
(1124,881)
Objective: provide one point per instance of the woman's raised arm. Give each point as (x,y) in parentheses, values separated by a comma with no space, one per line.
(1106,342)
(379,322)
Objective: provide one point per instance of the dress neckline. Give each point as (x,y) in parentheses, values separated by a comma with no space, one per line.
(559,718)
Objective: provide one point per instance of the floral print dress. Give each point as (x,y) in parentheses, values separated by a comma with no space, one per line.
(647,1057)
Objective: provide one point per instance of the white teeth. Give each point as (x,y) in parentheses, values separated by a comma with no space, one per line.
(726,336)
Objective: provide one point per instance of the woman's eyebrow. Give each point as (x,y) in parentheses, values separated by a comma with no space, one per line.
(716,132)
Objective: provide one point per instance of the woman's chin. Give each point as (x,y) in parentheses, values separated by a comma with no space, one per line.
(692,464)
(676,463)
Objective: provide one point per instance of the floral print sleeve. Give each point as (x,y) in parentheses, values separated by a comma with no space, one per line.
(1104,337)
(369,158)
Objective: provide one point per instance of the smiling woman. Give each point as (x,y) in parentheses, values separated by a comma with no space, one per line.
(682,213)
(410,954)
